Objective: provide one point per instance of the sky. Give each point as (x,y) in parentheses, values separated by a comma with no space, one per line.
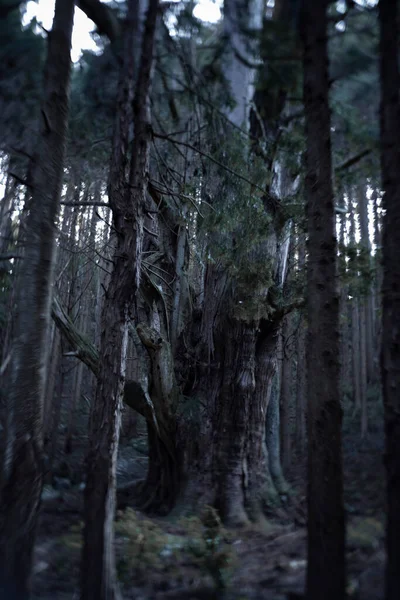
(43,10)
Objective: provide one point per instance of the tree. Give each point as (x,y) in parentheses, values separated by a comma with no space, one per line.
(23,465)
(390,354)
(326,527)
(127,199)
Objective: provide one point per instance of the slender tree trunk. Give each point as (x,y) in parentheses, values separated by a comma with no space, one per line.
(365,243)
(358,388)
(56,410)
(377,283)
(54,371)
(23,468)
(82,317)
(364,366)
(345,366)
(286,393)
(326,525)
(390,357)
(127,200)
(356,359)
(301,378)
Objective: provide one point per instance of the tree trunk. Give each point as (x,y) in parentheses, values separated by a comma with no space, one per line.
(127,200)
(273,439)
(326,526)
(363,362)
(266,480)
(365,243)
(54,372)
(240,464)
(301,377)
(358,388)
(236,395)
(23,468)
(355,348)
(390,357)
(286,393)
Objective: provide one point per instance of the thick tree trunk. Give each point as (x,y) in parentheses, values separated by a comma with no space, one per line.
(390,357)
(326,527)
(127,200)
(234,402)
(265,476)
(239,391)
(23,469)
(273,441)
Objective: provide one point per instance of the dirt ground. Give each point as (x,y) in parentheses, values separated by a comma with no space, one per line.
(189,558)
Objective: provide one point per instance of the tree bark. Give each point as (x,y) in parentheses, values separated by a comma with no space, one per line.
(301,378)
(23,468)
(127,200)
(326,526)
(390,356)
(363,362)
(358,388)
(286,393)
(365,243)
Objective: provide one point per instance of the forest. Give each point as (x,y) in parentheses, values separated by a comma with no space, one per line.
(200,301)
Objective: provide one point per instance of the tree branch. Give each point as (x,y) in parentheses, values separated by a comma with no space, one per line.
(103,16)
(134,395)
(353,160)
(209,157)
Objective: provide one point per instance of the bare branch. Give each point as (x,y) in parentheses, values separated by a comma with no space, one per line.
(103,16)
(353,160)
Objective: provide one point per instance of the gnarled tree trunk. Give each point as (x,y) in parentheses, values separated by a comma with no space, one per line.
(127,199)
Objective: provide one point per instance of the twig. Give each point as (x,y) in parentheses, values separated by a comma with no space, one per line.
(353,160)
(211,158)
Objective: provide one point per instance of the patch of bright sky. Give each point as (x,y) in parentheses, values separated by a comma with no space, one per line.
(43,10)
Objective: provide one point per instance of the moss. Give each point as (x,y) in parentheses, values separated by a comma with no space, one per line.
(365,533)
(202,542)
(145,542)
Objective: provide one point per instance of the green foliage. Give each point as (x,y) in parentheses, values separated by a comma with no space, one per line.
(147,546)
(93,102)
(281,75)
(22,54)
(357,268)
(355,89)
(365,533)
(209,548)
(240,221)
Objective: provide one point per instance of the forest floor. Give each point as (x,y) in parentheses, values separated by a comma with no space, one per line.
(177,558)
